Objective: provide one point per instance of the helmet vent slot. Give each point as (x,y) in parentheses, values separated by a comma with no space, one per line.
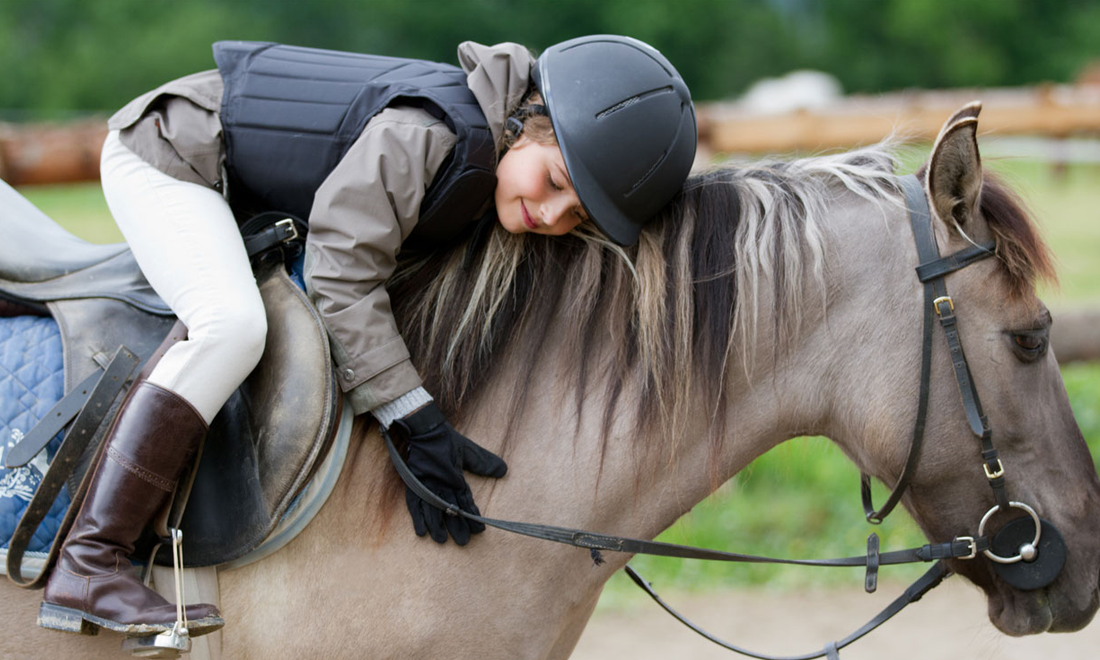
(645,177)
(638,98)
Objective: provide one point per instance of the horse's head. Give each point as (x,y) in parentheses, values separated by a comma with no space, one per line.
(1004,329)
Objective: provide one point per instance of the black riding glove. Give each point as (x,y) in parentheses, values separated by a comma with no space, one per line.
(437,456)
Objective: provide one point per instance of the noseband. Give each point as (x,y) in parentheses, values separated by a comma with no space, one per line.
(1039,551)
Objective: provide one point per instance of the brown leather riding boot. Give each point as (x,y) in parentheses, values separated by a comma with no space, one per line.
(154,438)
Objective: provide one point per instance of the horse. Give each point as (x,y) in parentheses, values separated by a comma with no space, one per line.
(623,386)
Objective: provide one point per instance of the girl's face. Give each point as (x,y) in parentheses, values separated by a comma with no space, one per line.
(534,192)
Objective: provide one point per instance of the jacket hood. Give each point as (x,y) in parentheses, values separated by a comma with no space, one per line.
(499,77)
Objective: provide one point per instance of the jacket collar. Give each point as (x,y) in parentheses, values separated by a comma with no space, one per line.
(499,77)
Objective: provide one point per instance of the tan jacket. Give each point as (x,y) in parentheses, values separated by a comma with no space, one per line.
(361,213)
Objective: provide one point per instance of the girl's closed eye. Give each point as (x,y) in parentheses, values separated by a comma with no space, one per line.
(553,184)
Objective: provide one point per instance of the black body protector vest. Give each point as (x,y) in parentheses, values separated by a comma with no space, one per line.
(289,114)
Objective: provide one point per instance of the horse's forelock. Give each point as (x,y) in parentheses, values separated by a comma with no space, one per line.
(1025,257)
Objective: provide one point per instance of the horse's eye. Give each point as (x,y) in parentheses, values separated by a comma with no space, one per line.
(1029,342)
(1030,346)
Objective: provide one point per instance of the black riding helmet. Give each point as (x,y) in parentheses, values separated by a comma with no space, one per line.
(625,125)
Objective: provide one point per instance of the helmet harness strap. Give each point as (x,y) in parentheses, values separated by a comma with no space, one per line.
(515,122)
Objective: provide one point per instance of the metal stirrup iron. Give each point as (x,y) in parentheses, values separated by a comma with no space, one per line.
(170,643)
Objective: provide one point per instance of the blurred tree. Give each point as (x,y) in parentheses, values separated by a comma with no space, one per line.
(71,56)
(889,44)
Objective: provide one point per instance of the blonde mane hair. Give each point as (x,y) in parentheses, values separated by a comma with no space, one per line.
(684,305)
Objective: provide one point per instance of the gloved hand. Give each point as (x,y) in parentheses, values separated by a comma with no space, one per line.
(437,456)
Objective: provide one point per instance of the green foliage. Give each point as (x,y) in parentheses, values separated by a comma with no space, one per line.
(67,56)
(1083,386)
(958,42)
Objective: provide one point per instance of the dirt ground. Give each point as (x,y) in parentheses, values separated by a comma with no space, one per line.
(949,622)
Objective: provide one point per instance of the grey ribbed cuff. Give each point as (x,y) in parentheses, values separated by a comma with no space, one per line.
(401,406)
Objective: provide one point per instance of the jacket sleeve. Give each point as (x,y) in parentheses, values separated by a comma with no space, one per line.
(361,214)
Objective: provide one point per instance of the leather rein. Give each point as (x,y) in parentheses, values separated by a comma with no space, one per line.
(1029,572)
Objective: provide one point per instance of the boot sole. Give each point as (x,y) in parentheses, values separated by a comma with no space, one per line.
(67,619)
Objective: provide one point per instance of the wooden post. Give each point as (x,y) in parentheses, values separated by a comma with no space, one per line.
(1075,336)
(51,153)
(1052,110)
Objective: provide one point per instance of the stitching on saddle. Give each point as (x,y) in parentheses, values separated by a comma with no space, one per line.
(140,472)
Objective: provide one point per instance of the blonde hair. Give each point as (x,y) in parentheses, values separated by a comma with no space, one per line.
(537,127)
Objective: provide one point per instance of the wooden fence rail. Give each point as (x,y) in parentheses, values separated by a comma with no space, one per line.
(1053,110)
(1075,336)
(45,153)
(51,153)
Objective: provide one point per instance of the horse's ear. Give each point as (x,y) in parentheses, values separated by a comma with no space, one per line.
(969,111)
(955,170)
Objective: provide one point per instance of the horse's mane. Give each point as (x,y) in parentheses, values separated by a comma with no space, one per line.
(687,294)
(692,292)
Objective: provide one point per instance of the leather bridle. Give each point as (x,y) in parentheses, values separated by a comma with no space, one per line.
(1037,544)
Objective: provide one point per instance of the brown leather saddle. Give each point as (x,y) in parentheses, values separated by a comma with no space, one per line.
(265,442)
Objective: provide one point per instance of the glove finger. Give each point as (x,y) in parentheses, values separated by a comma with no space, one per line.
(466,503)
(457,525)
(413,502)
(433,517)
(480,460)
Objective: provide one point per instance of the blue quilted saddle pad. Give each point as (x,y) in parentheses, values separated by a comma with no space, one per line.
(31,381)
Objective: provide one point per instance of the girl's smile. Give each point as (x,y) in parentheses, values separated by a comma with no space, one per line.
(527,217)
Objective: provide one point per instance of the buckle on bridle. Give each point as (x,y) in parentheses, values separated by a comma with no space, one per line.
(994,474)
(942,299)
(971,543)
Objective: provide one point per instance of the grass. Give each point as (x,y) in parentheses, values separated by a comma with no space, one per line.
(79,207)
(801,499)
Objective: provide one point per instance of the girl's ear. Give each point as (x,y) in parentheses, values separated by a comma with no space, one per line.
(955,171)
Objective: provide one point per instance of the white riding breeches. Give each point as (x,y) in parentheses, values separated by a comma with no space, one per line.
(187,243)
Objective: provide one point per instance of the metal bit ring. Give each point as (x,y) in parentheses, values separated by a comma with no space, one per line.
(1034,544)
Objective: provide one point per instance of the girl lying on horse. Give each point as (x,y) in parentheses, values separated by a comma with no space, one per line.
(381,155)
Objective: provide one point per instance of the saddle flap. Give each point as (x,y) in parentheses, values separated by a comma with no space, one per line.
(266,440)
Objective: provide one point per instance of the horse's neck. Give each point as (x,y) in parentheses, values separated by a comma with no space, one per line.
(565,473)
(561,472)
